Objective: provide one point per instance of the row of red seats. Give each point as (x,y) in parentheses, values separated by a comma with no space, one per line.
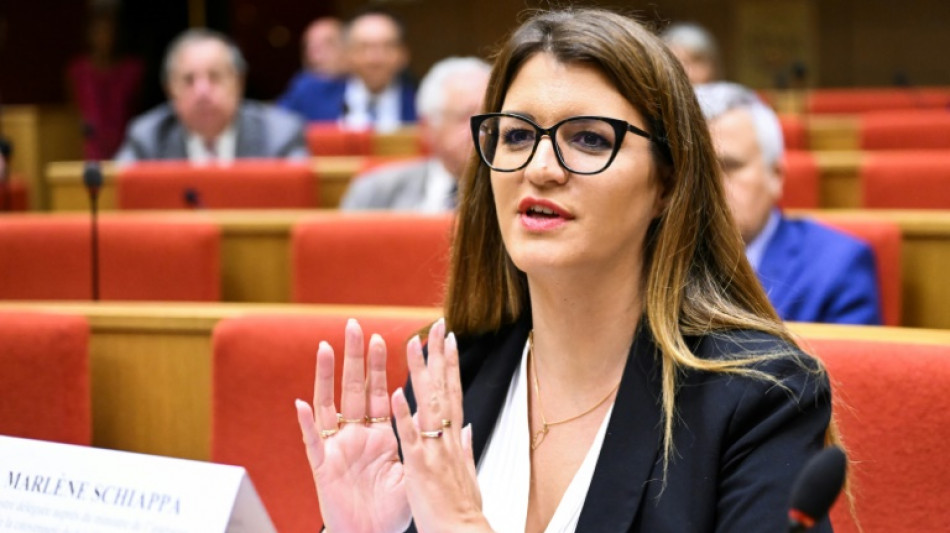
(912,129)
(889,401)
(380,259)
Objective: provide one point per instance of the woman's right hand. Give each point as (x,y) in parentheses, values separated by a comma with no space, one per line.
(354,455)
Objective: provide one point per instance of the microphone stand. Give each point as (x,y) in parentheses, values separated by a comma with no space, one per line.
(92,179)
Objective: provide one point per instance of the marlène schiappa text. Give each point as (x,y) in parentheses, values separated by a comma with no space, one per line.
(93,492)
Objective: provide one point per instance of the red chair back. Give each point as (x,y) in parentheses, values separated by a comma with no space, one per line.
(885,240)
(245,184)
(261,364)
(14,196)
(44,382)
(49,258)
(861,100)
(905,130)
(906,180)
(371,259)
(891,403)
(328,138)
(794,132)
(801,186)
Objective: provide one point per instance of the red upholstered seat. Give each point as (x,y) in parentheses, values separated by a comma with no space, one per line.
(328,138)
(373,259)
(892,405)
(801,187)
(140,258)
(905,130)
(906,180)
(14,197)
(885,240)
(245,184)
(44,377)
(860,100)
(793,132)
(261,364)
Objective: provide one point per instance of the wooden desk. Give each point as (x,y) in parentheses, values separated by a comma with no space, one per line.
(151,367)
(151,364)
(67,193)
(833,132)
(925,254)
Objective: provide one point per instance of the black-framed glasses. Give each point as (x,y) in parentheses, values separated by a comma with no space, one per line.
(506,142)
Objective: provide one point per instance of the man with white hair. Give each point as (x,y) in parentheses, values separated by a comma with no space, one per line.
(811,273)
(449,95)
(207,118)
(696,50)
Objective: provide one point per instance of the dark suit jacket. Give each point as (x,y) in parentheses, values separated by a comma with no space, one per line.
(816,274)
(262,131)
(321,99)
(739,442)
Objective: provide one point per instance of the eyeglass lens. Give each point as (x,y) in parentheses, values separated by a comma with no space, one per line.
(586,145)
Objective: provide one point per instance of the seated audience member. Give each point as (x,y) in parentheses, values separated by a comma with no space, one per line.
(448,96)
(323,53)
(696,49)
(811,273)
(104,84)
(207,118)
(375,95)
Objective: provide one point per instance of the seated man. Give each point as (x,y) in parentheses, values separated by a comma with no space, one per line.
(811,273)
(449,95)
(376,94)
(696,49)
(207,118)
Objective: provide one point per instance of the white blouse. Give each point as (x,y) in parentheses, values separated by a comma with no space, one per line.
(504,471)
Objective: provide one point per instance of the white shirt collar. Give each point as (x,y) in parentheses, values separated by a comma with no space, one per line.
(755,250)
(357,97)
(225,148)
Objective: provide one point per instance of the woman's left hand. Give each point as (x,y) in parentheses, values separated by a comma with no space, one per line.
(441,481)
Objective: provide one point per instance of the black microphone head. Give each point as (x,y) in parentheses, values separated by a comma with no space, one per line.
(92,175)
(817,486)
(6,148)
(192,198)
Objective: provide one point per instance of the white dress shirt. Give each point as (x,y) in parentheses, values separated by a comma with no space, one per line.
(438,188)
(504,471)
(358,116)
(222,151)
(755,250)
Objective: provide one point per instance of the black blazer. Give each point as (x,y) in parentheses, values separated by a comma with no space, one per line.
(739,442)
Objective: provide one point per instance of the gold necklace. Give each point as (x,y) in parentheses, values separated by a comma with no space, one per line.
(545,425)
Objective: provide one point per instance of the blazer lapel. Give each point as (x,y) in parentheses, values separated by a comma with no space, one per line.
(631,445)
(250,138)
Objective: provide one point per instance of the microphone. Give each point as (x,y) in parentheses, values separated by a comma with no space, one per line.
(92,179)
(6,150)
(816,488)
(192,198)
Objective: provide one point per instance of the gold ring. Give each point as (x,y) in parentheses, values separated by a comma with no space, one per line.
(437,434)
(341,420)
(379,419)
(327,433)
(446,423)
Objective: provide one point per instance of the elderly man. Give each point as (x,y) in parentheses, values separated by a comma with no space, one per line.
(811,273)
(449,95)
(376,95)
(207,118)
(696,50)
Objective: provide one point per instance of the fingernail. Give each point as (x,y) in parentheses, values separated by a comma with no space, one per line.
(324,344)
(351,322)
(298,403)
(450,343)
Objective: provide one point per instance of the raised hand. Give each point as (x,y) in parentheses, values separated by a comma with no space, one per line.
(440,479)
(353,452)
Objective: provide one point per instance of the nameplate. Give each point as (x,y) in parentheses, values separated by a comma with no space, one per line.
(60,488)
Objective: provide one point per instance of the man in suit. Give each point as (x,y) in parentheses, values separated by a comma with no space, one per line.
(207,118)
(449,95)
(811,273)
(376,94)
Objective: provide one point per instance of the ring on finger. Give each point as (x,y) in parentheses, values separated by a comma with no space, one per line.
(341,420)
(437,434)
(446,423)
(327,433)
(379,419)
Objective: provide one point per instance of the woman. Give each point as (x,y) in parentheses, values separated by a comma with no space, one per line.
(622,369)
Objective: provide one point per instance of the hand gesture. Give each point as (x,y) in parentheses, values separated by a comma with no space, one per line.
(353,452)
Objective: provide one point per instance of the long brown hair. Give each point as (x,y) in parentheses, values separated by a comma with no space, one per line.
(696,279)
